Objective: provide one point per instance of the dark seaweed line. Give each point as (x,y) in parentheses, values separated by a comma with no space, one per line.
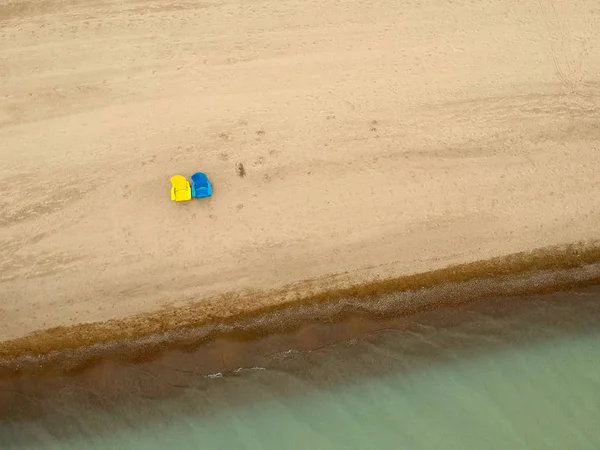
(543,270)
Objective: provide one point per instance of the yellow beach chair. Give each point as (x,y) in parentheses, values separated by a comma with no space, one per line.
(181,191)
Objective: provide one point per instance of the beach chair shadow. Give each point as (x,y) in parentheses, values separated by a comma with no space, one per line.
(201,186)
(180,189)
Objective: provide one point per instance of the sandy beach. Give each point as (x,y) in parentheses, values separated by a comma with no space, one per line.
(379,139)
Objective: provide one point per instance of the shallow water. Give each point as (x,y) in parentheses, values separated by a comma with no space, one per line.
(502,373)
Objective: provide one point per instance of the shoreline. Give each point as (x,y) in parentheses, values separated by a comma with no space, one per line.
(540,271)
(211,378)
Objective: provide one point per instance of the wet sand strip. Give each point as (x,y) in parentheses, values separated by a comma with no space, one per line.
(544,270)
(143,336)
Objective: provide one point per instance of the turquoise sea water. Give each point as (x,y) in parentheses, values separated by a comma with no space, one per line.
(518,374)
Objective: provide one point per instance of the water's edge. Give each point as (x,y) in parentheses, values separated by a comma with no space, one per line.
(541,271)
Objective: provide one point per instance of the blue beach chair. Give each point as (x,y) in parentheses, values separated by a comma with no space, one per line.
(200,185)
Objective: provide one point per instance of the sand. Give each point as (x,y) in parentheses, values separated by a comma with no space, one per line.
(379,139)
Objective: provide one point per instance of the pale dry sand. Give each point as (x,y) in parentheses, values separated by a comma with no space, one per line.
(380,138)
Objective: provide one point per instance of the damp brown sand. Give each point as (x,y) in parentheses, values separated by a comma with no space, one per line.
(232,372)
(254,314)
